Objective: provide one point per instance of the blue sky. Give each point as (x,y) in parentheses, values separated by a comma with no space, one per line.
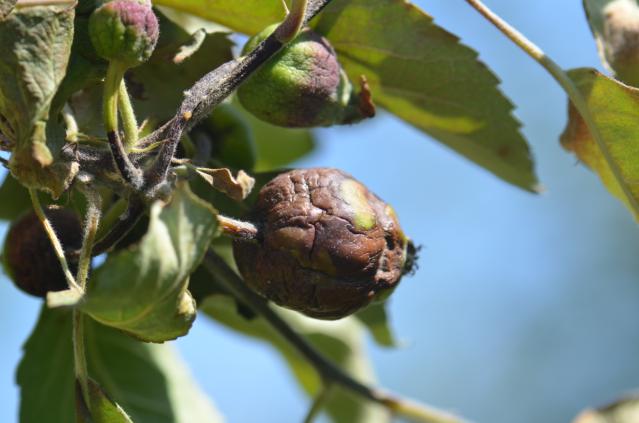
(524,308)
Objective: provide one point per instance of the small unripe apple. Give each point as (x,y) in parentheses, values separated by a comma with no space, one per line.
(301,86)
(326,246)
(124,31)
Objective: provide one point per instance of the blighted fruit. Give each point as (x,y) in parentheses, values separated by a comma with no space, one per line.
(326,245)
(302,86)
(29,257)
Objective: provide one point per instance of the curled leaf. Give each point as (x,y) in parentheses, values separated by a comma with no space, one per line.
(614,108)
(238,187)
(35,45)
(191,47)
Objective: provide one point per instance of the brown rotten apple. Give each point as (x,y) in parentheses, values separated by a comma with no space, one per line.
(29,257)
(326,246)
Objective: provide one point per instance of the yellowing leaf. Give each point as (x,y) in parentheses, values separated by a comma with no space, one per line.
(615,108)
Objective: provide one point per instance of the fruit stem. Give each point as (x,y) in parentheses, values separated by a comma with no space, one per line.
(129,121)
(57,246)
(112,84)
(577,99)
(237,228)
(330,374)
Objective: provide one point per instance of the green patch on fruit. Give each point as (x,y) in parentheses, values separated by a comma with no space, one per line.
(353,193)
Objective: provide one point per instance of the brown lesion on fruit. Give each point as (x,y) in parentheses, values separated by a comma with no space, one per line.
(326,246)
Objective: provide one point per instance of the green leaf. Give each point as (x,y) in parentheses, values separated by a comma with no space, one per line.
(340,341)
(375,318)
(35,45)
(45,373)
(624,411)
(614,107)
(421,73)
(247,16)
(142,290)
(276,146)
(149,381)
(14,197)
